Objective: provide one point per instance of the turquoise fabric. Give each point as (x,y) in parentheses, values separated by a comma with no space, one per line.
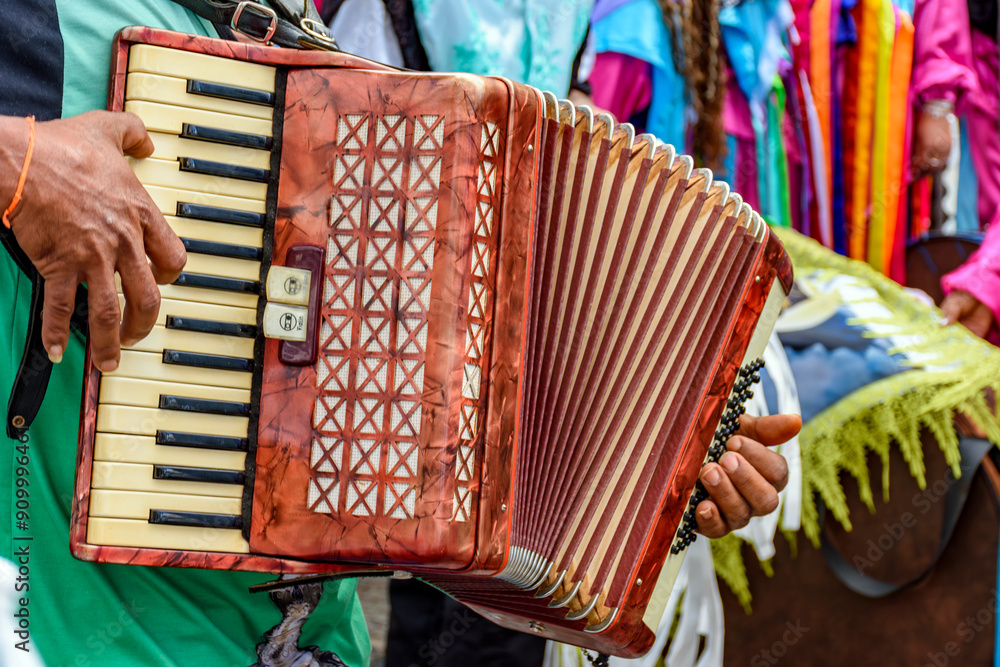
(529,41)
(967,216)
(84,614)
(637,29)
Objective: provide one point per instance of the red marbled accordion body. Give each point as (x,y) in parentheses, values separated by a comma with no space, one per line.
(474,251)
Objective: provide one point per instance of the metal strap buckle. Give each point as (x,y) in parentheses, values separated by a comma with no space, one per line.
(265,11)
(316,30)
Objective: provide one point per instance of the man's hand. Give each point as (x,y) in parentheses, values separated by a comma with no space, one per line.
(931,144)
(84,216)
(969,311)
(746,480)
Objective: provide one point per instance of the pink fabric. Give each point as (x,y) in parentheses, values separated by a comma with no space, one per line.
(980,275)
(983,122)
(621,84)
(737,123)
(942,51)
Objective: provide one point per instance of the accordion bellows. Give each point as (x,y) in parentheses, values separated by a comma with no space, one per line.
(489,340)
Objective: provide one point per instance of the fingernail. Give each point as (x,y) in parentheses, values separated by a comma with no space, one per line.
(108,366)
(705,513)
(132,342)
(55,354)
(712,476)
(734,444)
(729,462)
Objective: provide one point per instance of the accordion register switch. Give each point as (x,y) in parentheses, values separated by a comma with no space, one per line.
(438,324)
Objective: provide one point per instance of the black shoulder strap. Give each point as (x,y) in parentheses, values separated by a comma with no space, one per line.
(293,24)
(33,373)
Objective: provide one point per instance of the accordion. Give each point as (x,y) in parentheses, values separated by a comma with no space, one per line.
(444,326)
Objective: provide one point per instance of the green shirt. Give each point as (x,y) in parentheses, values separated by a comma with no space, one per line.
(84,614)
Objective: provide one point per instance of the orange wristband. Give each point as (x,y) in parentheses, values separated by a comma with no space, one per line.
(24,172)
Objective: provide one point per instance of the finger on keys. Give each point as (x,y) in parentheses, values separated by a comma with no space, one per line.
(57,310)
(105,320)
(142,298)
(165,250)
(767,462)
(131,135)
(731,504)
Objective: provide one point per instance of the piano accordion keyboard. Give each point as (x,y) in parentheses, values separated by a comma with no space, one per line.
(173,420)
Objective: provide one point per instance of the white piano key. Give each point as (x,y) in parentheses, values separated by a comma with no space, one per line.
(146,393)
(173,90)
(229,267)
(125,448)
(135,533)
(167,200)
(147,421)
(161,338)
(219,232)
(185,64)
(139,477)
(149,365)
(221,297)
(201,311)
(171,147)
(171,119)
(167,174)
(137,504)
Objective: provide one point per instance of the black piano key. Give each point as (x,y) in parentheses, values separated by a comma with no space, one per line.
(195,519)
(228,137)
(211,326)
(201,360)
(222,443)
(218,282)
(206,475)
(230,92)
(218,214)
(222,249)
(210,168)
(211,406)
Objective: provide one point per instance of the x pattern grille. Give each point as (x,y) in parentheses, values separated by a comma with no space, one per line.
(478,330)
(383,217)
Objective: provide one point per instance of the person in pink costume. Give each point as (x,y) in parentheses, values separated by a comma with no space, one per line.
(974,288)
(956,67)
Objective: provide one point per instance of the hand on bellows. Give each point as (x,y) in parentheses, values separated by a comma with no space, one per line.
(746,480)
(83,216)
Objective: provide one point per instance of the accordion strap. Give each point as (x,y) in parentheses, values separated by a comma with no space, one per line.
(292,24)
(33,373)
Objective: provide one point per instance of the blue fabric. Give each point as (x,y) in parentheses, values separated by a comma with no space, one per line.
(834,358)
(636,29)
(529,41)
(967,216)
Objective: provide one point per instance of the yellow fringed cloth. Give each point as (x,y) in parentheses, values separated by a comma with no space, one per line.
(948,370)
